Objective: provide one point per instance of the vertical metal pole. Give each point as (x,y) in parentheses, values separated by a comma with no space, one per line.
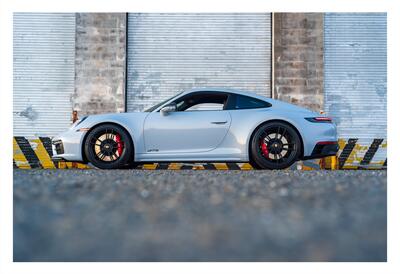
(126,63)
(272,55)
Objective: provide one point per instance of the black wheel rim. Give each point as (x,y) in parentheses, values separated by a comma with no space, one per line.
(277,145)
(107,145)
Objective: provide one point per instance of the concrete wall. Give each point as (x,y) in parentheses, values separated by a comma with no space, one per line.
(100,63)
(298,59)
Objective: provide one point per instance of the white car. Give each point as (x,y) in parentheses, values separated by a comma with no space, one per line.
(202,125)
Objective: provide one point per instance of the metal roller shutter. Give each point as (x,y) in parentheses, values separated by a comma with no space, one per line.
(44,60)
(168,53)
(355,73)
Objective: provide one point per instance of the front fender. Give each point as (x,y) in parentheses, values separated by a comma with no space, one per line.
(131,122)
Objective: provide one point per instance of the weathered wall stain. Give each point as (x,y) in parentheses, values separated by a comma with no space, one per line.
(153,82)
(29,113)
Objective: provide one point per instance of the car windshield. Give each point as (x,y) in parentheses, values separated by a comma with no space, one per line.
(163,102)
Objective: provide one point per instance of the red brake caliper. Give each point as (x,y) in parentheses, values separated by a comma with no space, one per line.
(264,149)
(120,144)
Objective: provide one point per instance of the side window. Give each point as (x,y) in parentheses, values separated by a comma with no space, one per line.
(202,101)
(245,102)
(206,106)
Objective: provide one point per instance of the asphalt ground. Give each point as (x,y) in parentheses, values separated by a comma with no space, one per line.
(199,215)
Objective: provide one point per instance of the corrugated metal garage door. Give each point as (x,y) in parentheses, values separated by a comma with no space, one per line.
(168,53)
(44,54)
(355,73)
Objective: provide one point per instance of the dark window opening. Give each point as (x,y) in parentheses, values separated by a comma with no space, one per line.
(202,101)
(246,102)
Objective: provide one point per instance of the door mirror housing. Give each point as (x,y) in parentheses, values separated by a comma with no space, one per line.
(168,108)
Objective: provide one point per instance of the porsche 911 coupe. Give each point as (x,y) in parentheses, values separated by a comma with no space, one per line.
(201,125)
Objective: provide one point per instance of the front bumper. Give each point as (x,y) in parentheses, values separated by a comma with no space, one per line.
(323,149)
(68,146)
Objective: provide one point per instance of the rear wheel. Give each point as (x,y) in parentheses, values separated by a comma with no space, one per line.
(275,145)
(108,147)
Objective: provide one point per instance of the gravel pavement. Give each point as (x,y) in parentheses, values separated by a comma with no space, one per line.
(199,215)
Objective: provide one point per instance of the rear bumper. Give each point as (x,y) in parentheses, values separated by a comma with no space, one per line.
(323,149)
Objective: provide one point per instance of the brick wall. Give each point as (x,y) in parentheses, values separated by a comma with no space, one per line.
(100,63)
(298,58)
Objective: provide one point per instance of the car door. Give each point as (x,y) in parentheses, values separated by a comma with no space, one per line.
(185,131)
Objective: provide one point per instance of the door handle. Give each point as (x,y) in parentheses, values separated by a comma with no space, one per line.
(219,123)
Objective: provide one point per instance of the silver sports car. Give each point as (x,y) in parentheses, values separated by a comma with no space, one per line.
(202,125)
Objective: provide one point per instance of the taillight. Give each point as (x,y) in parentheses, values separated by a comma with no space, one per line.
(327,143)
(319,119)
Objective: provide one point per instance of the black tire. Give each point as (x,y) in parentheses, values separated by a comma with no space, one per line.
(254,164)
(109,146)
(275,145)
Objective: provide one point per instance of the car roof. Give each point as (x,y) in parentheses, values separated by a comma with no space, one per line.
(227,90)
(275,102)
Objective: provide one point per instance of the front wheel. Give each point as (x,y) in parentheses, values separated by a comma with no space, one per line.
(275,145)
(109,147)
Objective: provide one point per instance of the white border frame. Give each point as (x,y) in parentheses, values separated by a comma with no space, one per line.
(6,68)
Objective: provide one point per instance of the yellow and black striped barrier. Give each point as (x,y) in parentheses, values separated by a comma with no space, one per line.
(353,154)
(197,166)
(359,153)
(37,153)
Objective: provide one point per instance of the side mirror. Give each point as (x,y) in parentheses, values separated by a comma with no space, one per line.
(168,108)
